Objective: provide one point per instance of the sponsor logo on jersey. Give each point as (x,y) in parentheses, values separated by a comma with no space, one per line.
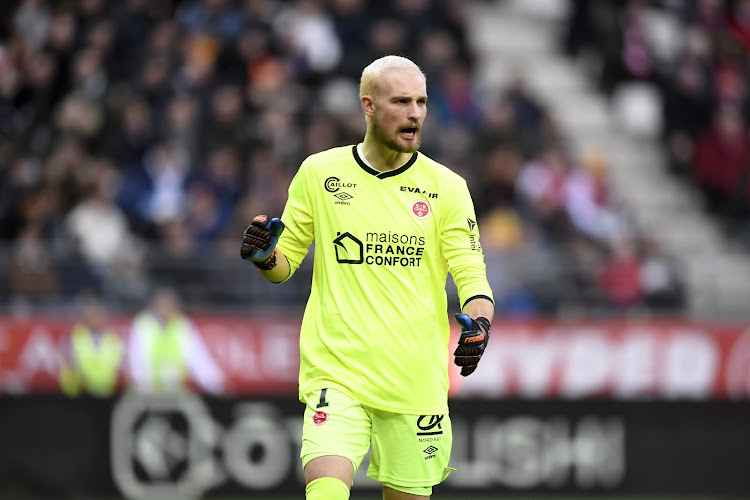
(420,209)
(380,249)
(474,243)
(333,184)
(349,249)
(418,191)
(472,224)
(320,418)
(429,425)
(430,451)
(343,198)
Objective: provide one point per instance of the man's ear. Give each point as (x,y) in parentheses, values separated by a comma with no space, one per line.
(368,105)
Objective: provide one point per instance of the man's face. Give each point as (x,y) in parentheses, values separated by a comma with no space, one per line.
(400,110)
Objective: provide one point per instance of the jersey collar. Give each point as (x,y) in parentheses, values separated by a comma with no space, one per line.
(383,175)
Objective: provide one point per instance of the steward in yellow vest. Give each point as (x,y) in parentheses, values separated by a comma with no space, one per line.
(96,355)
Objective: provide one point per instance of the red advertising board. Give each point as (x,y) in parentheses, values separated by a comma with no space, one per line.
(656,359)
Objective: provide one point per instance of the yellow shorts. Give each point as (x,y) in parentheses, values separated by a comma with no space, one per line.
(409,452)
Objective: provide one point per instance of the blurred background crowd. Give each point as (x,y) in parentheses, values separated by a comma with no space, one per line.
(138,138)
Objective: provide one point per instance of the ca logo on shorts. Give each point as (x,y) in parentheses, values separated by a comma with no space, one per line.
(428,423)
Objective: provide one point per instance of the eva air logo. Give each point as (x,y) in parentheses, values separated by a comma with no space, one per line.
(349,250)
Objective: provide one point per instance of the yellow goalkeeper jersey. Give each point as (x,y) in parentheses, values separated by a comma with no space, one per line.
(376,325)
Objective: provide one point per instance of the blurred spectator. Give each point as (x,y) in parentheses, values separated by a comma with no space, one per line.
(129,135)
(31,22)
(96,352)
(181,128)
(177,262)
(541,187)
(500,169)
(587,197)
(708,15)
(453,97)
(89,78)
(32,98)
(78,118)
(309,30)
(166,352)
(688,103)
(351,20)
(219,18)
(98,227)
(212,196)
(661,282)
(154,84)
(156,192)
(630,54)
(17,183)
(619,275)
(720,158)
(32,275)
(739,22)
(226,125)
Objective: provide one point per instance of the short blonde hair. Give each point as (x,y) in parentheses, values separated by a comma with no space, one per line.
(369,83)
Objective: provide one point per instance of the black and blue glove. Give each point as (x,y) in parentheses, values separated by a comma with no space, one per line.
(475,333)
(259,241)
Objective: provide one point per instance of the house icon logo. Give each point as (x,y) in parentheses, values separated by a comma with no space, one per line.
(349,250)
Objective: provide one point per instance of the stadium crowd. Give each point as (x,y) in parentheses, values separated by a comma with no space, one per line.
(139,138)
(695,54)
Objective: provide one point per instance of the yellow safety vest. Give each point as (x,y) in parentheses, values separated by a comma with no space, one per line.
(166,344)
(97,364)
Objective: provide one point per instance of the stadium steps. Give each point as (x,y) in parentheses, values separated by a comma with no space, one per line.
(521,34)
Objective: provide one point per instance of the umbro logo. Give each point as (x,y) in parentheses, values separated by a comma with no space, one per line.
(343,196)
(430,450)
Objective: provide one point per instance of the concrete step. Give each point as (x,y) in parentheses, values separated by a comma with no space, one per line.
(546,75)
(496,31)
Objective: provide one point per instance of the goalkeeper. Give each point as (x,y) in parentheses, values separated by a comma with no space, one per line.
(374,338)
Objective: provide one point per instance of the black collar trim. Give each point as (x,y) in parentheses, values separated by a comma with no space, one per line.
(383,175)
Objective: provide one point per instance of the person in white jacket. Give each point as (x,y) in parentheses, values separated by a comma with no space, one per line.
(166,352)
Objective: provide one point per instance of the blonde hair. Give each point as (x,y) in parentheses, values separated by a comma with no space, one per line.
(369,83)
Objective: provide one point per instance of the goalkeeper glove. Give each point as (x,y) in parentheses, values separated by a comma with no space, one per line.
(475,333)
(259,241)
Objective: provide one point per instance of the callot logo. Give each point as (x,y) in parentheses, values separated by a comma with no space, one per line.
(334,185)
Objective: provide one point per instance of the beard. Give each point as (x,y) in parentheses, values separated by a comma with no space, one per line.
(394,143)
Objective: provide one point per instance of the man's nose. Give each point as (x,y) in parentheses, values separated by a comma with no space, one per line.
(415,111)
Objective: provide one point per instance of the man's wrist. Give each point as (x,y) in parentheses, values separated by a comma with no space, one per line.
(267,264)
(483,322)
